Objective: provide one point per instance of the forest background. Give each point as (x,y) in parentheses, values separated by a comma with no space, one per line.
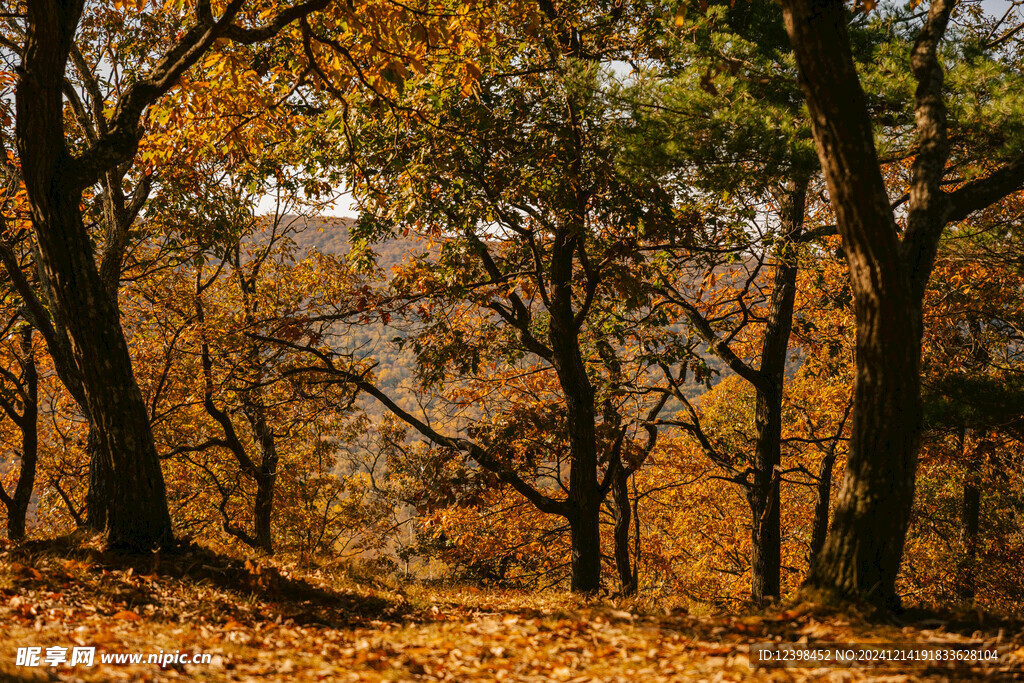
(668,300)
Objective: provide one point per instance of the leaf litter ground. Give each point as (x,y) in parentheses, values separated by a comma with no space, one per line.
(263,621)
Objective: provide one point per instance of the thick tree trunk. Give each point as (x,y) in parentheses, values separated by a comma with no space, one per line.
(585,535)
(584,496)
(28,423)
(46,318)
(97,499)
(263,512)
(137,516)
(862,552)
(621,511)
(126,472)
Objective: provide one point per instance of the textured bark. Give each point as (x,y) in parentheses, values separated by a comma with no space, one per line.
(266,474)
(47,320)
(97,498)
(584,495)
(27,421)
(585,535)
(137,516)
(621,510)
(862,553)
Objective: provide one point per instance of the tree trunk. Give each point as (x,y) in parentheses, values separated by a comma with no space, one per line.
(585,535)
(822,501)
(45,317)
(137,516)
(766,539)
(970,518)
(266,476)
(584,497)
(862,552)
(621,510)
(97,499)
(17,505)
(763,495)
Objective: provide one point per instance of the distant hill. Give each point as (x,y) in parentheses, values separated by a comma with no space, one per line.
(330,235)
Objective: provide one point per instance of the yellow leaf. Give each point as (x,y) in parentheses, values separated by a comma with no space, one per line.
(680,14)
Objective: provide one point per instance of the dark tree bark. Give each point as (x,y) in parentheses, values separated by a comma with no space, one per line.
(47,320)
(137,516)
(585,496)
(266,475)
(763,494)
(97,497)
(621,510)
(862,552)
(27,420)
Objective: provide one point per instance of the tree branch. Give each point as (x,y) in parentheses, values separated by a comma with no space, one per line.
(927,202)
(543,502)
(983,192)
(121,139)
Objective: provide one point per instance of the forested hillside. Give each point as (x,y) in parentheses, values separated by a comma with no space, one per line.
(663,329)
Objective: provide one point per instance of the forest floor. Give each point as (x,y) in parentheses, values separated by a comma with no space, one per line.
(271,622)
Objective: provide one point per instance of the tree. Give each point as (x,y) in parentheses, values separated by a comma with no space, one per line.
(244,446)
(725,113)
(974,381)
(19,402)
(549,294)
(889,273)
(55,178)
